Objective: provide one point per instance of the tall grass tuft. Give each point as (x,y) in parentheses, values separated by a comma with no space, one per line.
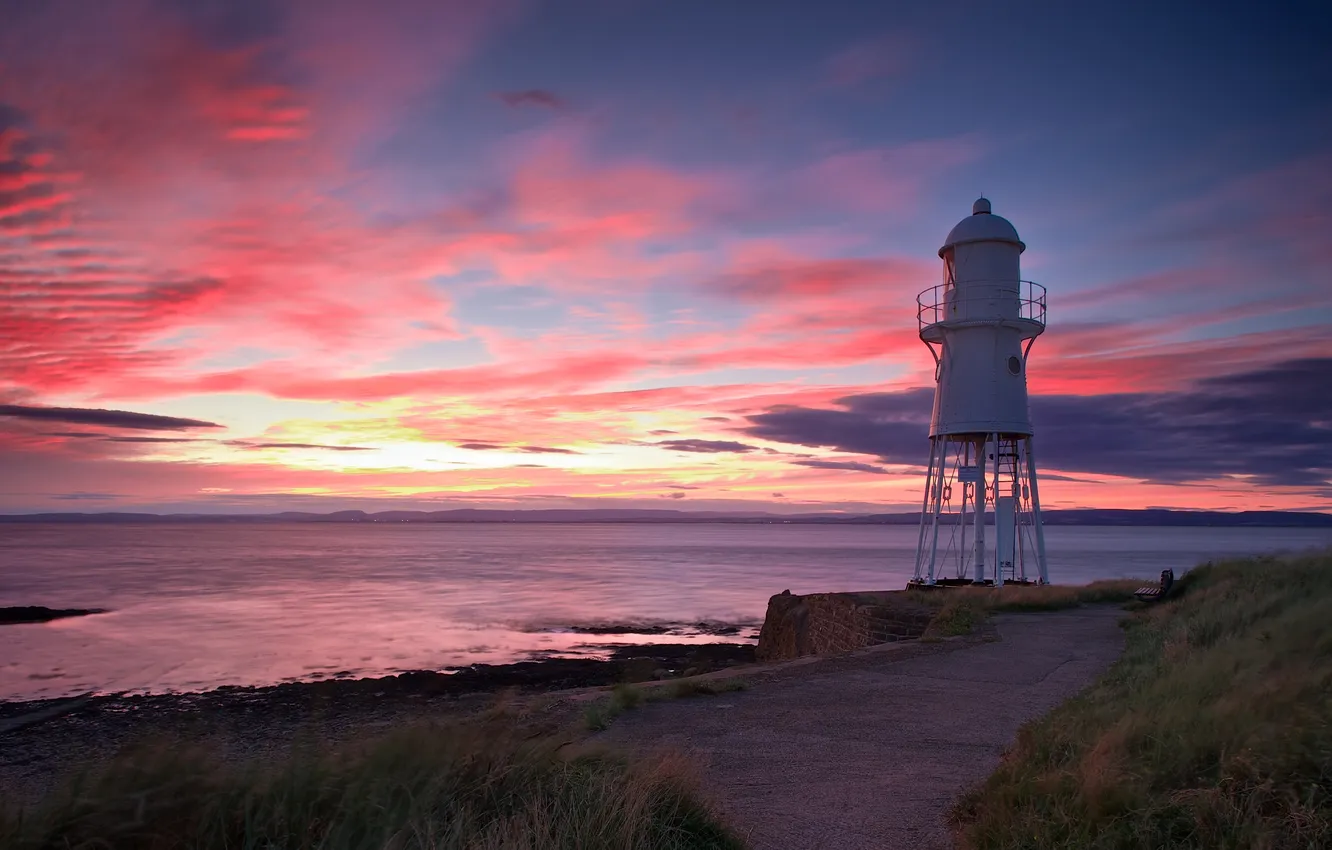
(479,785)
(1214,730)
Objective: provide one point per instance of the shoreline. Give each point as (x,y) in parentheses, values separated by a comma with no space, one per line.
(44,741)
(632,662)
(535,667)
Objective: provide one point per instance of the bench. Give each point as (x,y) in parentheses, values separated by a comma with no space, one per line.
(1150,593)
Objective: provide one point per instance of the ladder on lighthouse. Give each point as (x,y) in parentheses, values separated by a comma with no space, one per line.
(1008,468)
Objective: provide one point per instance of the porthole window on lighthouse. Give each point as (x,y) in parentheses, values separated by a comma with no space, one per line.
(1015,365)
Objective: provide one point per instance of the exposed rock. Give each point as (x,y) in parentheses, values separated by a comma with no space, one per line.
(40,614)
(703,628)
(829,623)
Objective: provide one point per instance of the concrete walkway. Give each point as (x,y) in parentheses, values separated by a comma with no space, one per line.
(871,751)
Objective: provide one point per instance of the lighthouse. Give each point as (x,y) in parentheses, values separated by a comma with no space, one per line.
(979,325)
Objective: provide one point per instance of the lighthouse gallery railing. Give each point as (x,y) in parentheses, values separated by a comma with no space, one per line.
(936,305)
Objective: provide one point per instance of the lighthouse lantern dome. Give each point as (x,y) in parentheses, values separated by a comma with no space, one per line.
(982,226)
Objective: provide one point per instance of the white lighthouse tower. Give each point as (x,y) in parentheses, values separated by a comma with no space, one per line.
(979,325)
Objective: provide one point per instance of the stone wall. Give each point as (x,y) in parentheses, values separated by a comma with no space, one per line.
(829,623)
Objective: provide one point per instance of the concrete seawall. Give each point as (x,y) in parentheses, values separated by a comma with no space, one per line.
(831,623)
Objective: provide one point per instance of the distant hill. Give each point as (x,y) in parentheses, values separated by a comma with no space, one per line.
(1086,516)
(1149,517)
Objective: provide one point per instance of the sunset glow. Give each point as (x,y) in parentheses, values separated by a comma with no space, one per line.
(330,255)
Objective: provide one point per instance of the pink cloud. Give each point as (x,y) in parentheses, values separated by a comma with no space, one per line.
(249,246)
(165,102)
(372,61)
(289,267)
(827,351)
(781,278)
(287,381)
(882,180)
(1063,364)
(1282,206)
(1171,282)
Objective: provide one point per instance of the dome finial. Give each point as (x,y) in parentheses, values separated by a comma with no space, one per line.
(981,206)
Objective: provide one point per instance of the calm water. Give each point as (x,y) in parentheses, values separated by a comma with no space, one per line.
(196,606)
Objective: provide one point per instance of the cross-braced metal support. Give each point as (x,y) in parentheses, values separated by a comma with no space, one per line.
(971,478)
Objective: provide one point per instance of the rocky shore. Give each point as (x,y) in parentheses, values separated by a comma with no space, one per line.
(40,741)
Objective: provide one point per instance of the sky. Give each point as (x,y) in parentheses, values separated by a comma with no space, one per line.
(321,254)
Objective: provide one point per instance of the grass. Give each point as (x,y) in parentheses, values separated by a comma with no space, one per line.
(684,688)
(481,785)
(624,697)
(1214,730)
(959,610)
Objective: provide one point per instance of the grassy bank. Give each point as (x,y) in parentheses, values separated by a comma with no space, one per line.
(1213,731)
(476,784)
(959,610)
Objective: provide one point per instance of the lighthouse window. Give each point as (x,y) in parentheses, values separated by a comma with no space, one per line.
(1015,365)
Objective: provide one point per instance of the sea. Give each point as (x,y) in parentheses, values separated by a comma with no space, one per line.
(195,606)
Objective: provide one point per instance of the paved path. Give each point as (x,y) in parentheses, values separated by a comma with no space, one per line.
(871,751)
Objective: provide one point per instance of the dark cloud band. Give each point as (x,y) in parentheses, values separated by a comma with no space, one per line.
(1272,426)
(706,446)
(104,418)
